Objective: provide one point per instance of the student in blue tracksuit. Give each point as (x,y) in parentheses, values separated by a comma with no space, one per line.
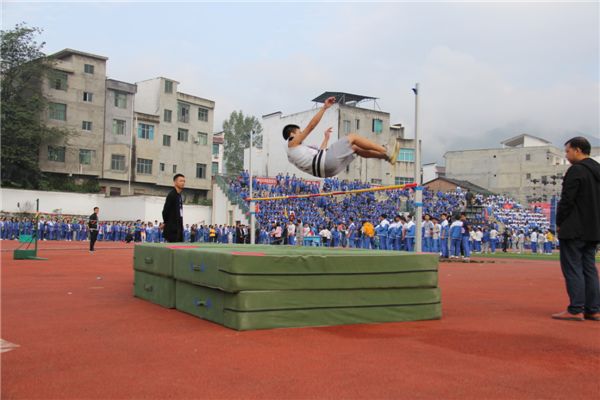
(352,233)
(186,233)
(335,237)
(48,230)
(455,238)
(84,231)
(75,227)
(147,232)
(155,234)
(427,232)
(392,230)
(64,229)
(28,227)
(444,236)
(382,231)
(410,235)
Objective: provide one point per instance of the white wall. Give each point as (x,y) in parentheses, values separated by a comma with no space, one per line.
(259,163)
(223,212)
(429,172)
(146,208)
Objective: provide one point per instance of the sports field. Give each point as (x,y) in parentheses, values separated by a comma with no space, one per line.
(77,332)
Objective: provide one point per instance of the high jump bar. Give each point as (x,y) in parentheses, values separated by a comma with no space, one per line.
(324,194)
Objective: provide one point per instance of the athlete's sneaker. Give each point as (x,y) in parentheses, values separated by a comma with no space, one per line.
(394,154)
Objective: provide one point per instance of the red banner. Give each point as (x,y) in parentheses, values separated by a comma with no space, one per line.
(267,181)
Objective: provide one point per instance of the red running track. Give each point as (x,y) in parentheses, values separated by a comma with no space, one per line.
(82,335)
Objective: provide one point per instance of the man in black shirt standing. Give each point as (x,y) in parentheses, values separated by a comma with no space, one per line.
(578,227)
(93,225)
(173,211)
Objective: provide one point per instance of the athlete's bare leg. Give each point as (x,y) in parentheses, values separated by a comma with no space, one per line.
(369,153)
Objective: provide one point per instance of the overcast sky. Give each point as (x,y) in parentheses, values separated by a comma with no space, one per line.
(487,71)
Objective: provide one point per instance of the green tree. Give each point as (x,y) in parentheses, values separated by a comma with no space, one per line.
(237,138)
(23,71)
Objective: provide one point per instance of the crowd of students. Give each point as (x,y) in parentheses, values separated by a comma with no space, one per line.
(361,220)
(374,220)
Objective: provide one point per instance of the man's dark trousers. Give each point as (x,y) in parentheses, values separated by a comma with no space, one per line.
(577,259)
(93,238)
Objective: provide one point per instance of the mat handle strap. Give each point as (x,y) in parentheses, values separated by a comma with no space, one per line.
(148,260)
(148,287)
(202,303)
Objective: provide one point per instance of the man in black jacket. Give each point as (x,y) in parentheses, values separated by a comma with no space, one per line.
(578,225)
(93,226)
(173,211)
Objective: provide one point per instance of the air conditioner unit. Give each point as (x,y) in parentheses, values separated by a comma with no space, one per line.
(196,140)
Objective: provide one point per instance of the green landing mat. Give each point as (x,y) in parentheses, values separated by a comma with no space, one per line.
(157,258)
(296,308)
(154,288)
(234,270)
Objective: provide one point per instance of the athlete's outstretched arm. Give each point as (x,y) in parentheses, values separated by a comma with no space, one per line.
(313,122)
(326,139)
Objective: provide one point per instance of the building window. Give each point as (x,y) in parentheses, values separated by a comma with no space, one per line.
(167,140)
(118,127)
(201,171)
(58,80)
(86,125)
(527,157)
(161,166)
(202,114)
(377,125)
(182,135)
(406,155)
(376,181)
(115,191)
(215,149)
(85,156)
(202,138)
(88,68)
(144,166)
(117,162)
(87,97)
(402,180)
(347,126)
(57,111)
(56,153)
(168,115)
(120,100)
(146,131)
(168,86)
(215,168)
(357,124)
(183,112)
(174,168)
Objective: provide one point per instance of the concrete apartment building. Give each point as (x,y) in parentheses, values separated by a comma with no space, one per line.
(173,135)
(527,168)
(218,156)
(118,138)
(76,93)
(346,116)
(131,137)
